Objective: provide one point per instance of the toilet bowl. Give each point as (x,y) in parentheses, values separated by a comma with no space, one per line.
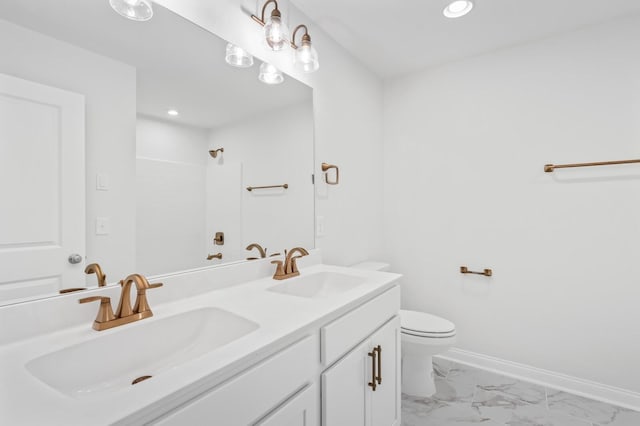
(423,336)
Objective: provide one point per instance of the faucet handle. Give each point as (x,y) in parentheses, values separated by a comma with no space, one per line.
(294,265)
(142,305)
(279,269)
(105,313)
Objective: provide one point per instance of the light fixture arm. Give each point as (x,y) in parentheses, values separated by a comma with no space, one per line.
(275,12)
(306,38)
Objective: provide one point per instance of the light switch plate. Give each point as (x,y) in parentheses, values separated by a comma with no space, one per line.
(103,226)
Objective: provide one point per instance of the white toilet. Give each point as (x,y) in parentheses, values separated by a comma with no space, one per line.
(423,336)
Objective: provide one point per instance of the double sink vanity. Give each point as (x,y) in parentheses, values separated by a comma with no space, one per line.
(225,346)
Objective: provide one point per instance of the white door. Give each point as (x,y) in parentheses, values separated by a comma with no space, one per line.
(42,189)
(385,401)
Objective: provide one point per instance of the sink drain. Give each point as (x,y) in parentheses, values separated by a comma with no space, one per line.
(140,379)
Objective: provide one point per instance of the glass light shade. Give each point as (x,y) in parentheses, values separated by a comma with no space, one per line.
(136,10)
(238,57)
(270,74)
(306,58)
(276,33)
(458,8)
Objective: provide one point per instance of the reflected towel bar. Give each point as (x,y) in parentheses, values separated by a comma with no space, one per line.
(549,168)
(486,272)
(251,188)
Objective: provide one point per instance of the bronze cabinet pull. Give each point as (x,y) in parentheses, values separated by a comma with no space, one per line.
(373,383)
(379,376)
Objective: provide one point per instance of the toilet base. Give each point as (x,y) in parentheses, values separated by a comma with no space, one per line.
(417,375)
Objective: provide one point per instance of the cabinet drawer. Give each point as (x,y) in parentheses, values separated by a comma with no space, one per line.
(339,336)
(252,394)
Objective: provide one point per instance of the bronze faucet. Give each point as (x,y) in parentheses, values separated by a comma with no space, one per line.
(125,314)
(261,251)
(95,268)
(289,268)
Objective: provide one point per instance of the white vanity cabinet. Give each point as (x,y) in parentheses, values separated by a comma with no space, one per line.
(348,393)
(300,410)
(347,397)
(259,390)
(322,379)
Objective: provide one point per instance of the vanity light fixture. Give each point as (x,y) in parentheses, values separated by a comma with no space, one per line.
(173,113)
(136,10)
(276,32)
(270,74)
(238,57)
(458,8)
(305,57)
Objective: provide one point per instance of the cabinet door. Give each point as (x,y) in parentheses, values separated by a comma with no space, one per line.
(385,401)
(345,398)
(301,410)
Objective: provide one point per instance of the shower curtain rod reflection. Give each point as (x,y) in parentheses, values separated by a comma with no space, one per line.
(549,168)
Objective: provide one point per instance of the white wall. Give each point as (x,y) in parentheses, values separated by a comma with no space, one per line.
(109,88)
(274,148)
(347,119)
(465,146)
(170,203)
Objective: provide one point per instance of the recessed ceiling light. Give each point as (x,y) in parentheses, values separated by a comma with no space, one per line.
(458,8)
(173,112)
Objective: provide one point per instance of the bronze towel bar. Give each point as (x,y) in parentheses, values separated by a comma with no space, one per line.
(251,188)
(549,168)
(486,272)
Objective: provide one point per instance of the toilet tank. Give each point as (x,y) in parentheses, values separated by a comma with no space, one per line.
(373,266)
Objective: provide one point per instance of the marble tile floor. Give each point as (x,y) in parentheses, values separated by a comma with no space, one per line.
(470,396)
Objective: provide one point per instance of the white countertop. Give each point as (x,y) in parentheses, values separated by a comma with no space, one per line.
(282,320)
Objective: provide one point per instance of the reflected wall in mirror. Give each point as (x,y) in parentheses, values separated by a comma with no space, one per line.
(92,91)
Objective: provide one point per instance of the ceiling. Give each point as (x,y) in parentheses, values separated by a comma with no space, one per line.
(398,37)
(179,65)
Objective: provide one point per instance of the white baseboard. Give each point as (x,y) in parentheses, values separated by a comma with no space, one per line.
(598,391)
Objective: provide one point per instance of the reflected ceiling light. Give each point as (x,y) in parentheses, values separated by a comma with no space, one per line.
(238,57)
(173,113)
(458,8)
(305,57)
(270,74)
(276,32)
(136,10)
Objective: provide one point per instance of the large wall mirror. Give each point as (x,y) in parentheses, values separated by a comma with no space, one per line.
(85,92)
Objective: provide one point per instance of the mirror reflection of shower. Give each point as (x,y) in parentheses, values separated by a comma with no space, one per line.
(214,152)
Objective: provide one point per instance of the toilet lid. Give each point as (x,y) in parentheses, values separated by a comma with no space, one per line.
(427,325)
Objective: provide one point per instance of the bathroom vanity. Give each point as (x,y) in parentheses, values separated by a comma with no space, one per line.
(228,346)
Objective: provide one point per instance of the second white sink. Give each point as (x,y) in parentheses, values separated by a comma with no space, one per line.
(318,285)
(112,360)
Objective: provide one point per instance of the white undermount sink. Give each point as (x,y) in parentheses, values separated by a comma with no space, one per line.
(112,360)
(318,285)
